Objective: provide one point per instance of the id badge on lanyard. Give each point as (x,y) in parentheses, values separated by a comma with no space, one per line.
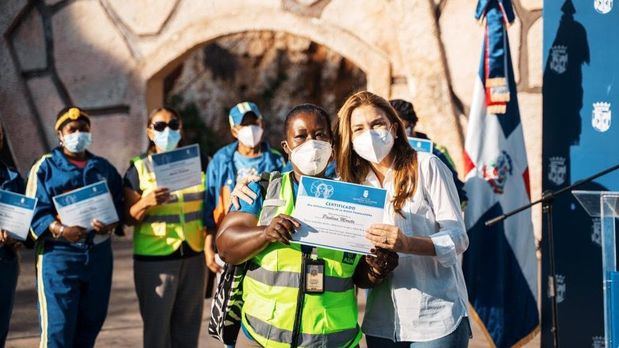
(314,274)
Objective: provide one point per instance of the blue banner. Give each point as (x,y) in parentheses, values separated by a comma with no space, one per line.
(342,192)
(580,139)
(82,194)
(421,145)
(17,200)
(177,155)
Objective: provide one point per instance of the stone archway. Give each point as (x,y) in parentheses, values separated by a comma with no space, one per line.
(171,52)
(275,70)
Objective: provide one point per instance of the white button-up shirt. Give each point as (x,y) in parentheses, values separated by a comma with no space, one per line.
(425,297)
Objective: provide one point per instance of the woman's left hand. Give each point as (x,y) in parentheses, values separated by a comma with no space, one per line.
(388,237)
(101,228)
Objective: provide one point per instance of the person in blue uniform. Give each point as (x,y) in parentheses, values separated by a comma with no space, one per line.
(74,264)
(10,180)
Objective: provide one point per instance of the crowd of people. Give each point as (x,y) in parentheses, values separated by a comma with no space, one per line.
(242,214)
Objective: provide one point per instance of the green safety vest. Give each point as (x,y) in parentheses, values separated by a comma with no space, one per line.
(272,294)
(166,226)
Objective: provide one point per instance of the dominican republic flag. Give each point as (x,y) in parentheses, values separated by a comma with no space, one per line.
(500,265)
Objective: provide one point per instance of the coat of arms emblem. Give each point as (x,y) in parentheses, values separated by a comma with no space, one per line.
(557,170)
(558,59)
(496,172)
(601,116)
(561,288)
(603,6)
(596,231)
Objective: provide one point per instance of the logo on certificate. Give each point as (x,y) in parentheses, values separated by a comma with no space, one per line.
(321,190)
(70,199)
(601,116)
(366,193)
(603,6)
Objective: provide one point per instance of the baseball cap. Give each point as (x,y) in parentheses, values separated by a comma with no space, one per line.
(239,110)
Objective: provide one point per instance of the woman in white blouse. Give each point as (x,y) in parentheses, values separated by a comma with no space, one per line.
(423,303)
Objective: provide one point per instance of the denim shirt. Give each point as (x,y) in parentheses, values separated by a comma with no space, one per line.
(427,293)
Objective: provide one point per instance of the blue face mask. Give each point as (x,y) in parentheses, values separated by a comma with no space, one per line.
(76,142)
(168,139)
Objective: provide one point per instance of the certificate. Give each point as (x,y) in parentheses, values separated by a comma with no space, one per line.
(421,145)
(335,214)
(79,207)
(16,213)
(178,169)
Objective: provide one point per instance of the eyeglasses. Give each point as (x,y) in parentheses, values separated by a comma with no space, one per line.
(161,126)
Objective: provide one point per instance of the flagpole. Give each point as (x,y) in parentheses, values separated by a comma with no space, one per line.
(547,201)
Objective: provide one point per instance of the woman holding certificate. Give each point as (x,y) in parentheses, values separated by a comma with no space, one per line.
(423,303)
(10,180)
(296,295)
(169,239)
(74,262)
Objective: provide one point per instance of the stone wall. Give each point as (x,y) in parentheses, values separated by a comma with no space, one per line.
(112,57)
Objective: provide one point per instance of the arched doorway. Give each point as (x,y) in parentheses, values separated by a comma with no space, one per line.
(275,70)
(172,51)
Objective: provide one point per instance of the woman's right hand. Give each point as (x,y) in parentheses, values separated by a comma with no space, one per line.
(281,229)
(243,192)
(156,197)
(74,233)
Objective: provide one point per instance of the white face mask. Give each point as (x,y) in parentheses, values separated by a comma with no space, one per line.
(250,135)
(77,142)
(168,139)
(311,157)
(373,145)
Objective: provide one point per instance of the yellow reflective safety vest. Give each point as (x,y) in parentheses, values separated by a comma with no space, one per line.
(166,226)
(277,311)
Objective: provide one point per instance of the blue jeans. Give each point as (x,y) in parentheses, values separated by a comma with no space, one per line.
(73,285)
(9,269)
(457,339)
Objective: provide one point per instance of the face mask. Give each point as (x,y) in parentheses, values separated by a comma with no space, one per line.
(409,131)
(168,139)
(373,145)
(250,135)
(311,157)
(77,142)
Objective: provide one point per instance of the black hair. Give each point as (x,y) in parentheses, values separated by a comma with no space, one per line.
(167,109)
(249,114)
(405,110)
(151,145)
(311,109)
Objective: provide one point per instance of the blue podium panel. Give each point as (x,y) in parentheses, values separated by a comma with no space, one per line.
(613,288)
(581,137)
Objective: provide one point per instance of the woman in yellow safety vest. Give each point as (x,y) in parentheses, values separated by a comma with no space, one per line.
(169,240)
(296,296)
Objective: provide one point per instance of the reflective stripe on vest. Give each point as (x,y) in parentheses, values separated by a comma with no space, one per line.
(166,226)
(335,339)
(271,289)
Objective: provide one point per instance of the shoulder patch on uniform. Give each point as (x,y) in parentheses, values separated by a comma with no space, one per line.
(31,185)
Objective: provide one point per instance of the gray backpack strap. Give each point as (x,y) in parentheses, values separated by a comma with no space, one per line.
(271,199)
